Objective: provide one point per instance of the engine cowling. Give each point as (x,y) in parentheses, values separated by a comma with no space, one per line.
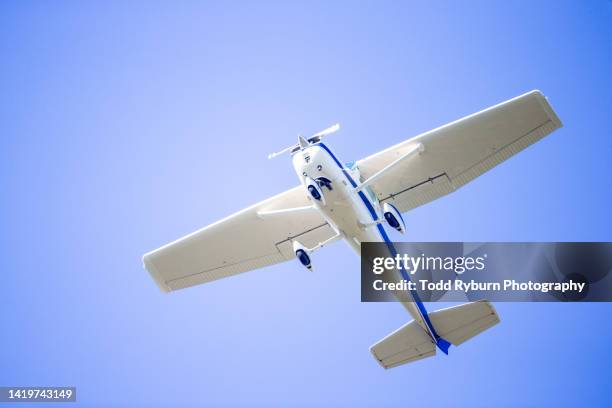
(315,191)
(302,254)
(394,217)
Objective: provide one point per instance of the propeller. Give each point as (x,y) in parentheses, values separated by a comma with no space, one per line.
(325,132)
(304,142)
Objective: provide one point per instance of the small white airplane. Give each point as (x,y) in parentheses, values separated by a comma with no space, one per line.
(352,202)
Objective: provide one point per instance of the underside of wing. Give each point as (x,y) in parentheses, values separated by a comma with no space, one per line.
(238,243)
(454,154)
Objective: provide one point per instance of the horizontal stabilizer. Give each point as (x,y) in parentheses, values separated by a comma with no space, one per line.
(455,325)
(460,323)
(408,343)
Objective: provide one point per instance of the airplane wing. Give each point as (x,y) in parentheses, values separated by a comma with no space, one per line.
(238,243)
(454,154)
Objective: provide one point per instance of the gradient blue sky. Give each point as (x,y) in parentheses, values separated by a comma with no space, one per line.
(128,124)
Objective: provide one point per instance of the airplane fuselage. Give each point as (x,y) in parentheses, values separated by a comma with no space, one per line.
(355,215)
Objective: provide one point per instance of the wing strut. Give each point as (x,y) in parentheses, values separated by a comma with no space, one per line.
(415,149)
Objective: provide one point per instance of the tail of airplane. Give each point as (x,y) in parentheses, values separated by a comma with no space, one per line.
(455,324)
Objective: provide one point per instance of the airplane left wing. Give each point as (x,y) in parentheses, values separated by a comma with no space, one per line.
(239,243)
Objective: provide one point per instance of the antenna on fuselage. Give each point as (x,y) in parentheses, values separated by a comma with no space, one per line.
(304,143)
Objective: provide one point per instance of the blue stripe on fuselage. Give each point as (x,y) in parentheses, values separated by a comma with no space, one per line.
(391,248)
(414,293)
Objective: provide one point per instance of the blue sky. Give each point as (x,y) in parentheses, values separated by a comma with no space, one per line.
(129,124)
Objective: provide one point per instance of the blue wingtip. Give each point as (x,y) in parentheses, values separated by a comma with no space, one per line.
(443,345)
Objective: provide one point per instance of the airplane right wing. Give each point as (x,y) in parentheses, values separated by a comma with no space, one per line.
(238,243)
(454,154)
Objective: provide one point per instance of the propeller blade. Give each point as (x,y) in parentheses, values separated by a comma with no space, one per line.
(302,142)
(327,131)
(273,155)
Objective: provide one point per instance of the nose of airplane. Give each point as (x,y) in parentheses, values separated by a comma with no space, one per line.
(303,142)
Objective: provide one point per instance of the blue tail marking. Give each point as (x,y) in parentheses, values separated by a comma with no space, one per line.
(443,345)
